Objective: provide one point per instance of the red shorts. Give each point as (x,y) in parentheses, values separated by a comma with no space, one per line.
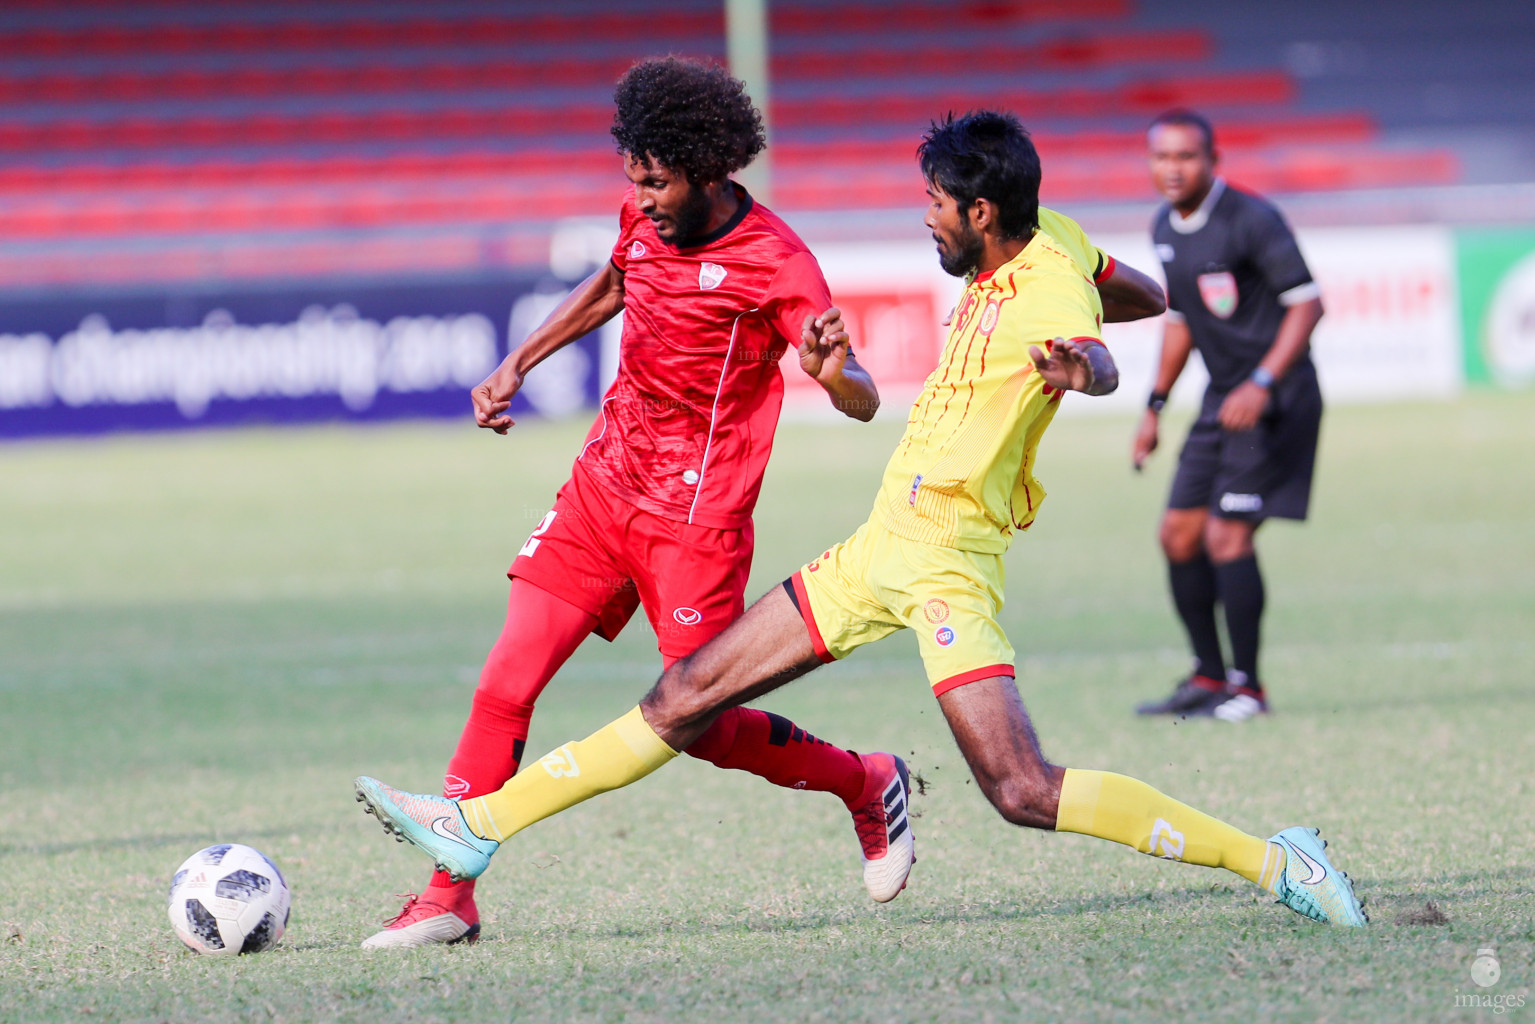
(603,555)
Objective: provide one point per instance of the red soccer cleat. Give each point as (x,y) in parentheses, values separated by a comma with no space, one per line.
(423,923)
(885,840)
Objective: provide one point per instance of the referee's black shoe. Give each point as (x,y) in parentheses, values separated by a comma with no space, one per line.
(1196,695)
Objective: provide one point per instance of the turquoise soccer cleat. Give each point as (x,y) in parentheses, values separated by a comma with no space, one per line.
(433,824)
(1311,886)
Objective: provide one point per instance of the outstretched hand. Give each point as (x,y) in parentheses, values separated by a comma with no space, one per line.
(1065,366)
(823,346)
(493,396)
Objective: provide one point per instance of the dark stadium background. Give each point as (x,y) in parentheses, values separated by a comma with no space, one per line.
(403,166)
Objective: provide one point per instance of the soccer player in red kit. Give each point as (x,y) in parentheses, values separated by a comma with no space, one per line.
(657,511)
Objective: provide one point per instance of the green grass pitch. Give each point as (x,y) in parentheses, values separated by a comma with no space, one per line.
(205,637)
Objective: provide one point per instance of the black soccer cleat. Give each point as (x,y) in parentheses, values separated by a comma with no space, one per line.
(1196,696)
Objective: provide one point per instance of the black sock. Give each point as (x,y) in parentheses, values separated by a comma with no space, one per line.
(1241,591)
(1194,591)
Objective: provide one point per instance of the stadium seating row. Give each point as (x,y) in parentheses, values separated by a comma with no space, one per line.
(375,202)
(346,30)
(405,72)
(304,127)
(1141,98)
(595,156)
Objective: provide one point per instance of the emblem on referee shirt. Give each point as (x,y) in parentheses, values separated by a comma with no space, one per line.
(936,610)
(710,276)
(636,250)
(1219,290)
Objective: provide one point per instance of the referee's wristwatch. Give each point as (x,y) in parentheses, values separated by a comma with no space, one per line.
(1262,377)
(1156,401)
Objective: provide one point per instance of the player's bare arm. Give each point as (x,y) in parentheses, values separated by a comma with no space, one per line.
(593,303)
(826,354)
(1082,364)
(1245,405)
(1127,294)
(1177,343)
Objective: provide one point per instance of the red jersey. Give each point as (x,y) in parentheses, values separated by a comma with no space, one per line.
(686,429)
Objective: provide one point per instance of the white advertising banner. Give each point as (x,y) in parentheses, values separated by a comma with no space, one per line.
(1391,330)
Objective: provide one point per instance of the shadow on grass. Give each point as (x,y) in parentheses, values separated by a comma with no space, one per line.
(1388,900)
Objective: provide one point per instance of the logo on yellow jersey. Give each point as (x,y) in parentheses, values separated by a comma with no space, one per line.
(989,318)
(936,610)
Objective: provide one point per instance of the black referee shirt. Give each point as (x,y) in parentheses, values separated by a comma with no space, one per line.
(1233,269)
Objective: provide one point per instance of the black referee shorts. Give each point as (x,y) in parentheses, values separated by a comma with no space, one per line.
(1254,474)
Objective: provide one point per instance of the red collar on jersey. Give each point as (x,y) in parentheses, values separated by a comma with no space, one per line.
(984,277)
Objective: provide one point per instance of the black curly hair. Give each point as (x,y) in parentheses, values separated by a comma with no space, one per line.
(987,154)
(689,117)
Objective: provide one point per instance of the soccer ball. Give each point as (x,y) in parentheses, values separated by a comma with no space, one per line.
(229,899)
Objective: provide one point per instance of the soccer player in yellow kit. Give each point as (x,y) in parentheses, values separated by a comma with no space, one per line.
(957,490)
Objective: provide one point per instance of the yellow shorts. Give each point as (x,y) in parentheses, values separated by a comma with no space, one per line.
(875,583)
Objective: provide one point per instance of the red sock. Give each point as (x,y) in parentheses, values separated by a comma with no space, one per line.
(781,752)
(541,632)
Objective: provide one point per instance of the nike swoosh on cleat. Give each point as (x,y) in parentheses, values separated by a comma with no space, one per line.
(1318,873)
(440,828)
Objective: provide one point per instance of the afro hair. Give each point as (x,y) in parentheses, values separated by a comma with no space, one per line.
(687,116)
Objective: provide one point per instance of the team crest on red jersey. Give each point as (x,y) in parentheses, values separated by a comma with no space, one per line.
(1219,290)
(636,250)
(710,276)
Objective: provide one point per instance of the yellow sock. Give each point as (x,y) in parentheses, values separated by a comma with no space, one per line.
(619,753)
(1125,810)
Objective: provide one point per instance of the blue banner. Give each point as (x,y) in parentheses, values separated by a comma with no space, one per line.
(96,362)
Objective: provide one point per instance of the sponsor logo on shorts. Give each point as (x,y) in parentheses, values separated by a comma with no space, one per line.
(936,610)
(688,616)
(636,250)
(710,276)
(1241,502)
(916,482)
(1219,290)
(944,635)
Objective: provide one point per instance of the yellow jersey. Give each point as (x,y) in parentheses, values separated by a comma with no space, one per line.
(962,476)
(1068,234)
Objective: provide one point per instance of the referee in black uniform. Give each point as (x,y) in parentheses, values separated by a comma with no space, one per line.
(1240,293)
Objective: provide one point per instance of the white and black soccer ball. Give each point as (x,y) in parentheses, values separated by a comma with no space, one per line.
(229,899)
